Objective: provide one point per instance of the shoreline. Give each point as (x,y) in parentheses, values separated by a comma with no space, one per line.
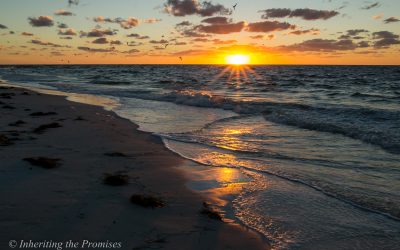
(73,198)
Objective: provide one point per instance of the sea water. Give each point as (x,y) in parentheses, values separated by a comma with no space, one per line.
(321,144)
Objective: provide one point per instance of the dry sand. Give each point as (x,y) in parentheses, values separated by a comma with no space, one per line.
(72,203)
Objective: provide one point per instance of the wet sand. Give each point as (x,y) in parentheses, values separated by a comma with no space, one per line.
(72,203)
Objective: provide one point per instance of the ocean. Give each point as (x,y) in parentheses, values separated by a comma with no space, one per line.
(321,144)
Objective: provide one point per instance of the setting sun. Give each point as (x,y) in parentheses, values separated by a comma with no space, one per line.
(237,59)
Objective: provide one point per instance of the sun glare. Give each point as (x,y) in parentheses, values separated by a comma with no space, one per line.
(237,59)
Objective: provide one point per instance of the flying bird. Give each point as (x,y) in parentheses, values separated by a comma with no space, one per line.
(234,6)
(180,58)
(162,36)
(166,45)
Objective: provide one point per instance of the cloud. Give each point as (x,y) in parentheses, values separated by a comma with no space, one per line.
(306,14)
(96,50)
(62,13)
(3,26)
(378,16)
(203,40)
(25,33)
(391,20)
(363,44)
(270,26)
(62,25)
(221,28)
(192,33)
(132,22)
(387,39)
(217,20)
(218,41)
(344,37)
(138,36)
(67,38)
(12,32)
(375,5)
(180,43)
(70,32)
(131,51)
(70,2)
(271,36)
(98,33)
(192,7)
(355,32)
(101,40)
(161,41)
(150,20)
(321,45)
(184,23)
(115,42)
(42,21)
(303,32)
(45,43)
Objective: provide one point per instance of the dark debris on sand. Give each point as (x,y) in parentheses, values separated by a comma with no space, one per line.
(42,128)
(43,162)
(146,201)
(116,179)
(211,214)
(5,140)
(115,154)
(42,113)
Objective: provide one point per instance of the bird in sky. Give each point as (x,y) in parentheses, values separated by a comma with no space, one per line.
(180,58)
(166,45)
(234,6)
(162,36)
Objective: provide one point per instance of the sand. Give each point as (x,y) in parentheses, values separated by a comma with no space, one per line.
(70,205)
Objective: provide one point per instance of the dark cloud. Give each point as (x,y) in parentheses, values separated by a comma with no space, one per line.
(101,40)
(221,28)
(302,32)
(161,41)
(96,50)
(62,25)
(269,26)
(363,44)
(62,13)
(193,33)
(115,42)
(180,43)
(375,5)
(203,40)
(25,33)
(70,32)
(99,33)
(357,37)
(71,2)
(391,19)
(42,21)
(131,22)
(387,39)
(12,32)
(271,36)
(355,32)
(67,38)
(184,23)
(131,51)
(192,7)
(143,37)
(322,45)
(306,14)
(217,20)
(44,43)
(133,35)
(3,26)
(275,13)
(344,37)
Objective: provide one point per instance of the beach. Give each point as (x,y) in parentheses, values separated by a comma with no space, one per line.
(71,204)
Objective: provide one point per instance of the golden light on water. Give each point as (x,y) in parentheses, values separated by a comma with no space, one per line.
(237,59)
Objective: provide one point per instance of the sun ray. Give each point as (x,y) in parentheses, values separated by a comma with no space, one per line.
(220,74)
(272,86)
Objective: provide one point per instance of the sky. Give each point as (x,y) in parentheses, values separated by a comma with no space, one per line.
(199,32)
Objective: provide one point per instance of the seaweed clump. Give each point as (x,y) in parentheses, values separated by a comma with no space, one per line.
(42,113)
(115,154)
(211,214)
(116,179)
(41,128)
(146,201)
(5,140)
(43,162)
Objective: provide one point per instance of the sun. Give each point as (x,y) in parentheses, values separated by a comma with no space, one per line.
(237,59)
